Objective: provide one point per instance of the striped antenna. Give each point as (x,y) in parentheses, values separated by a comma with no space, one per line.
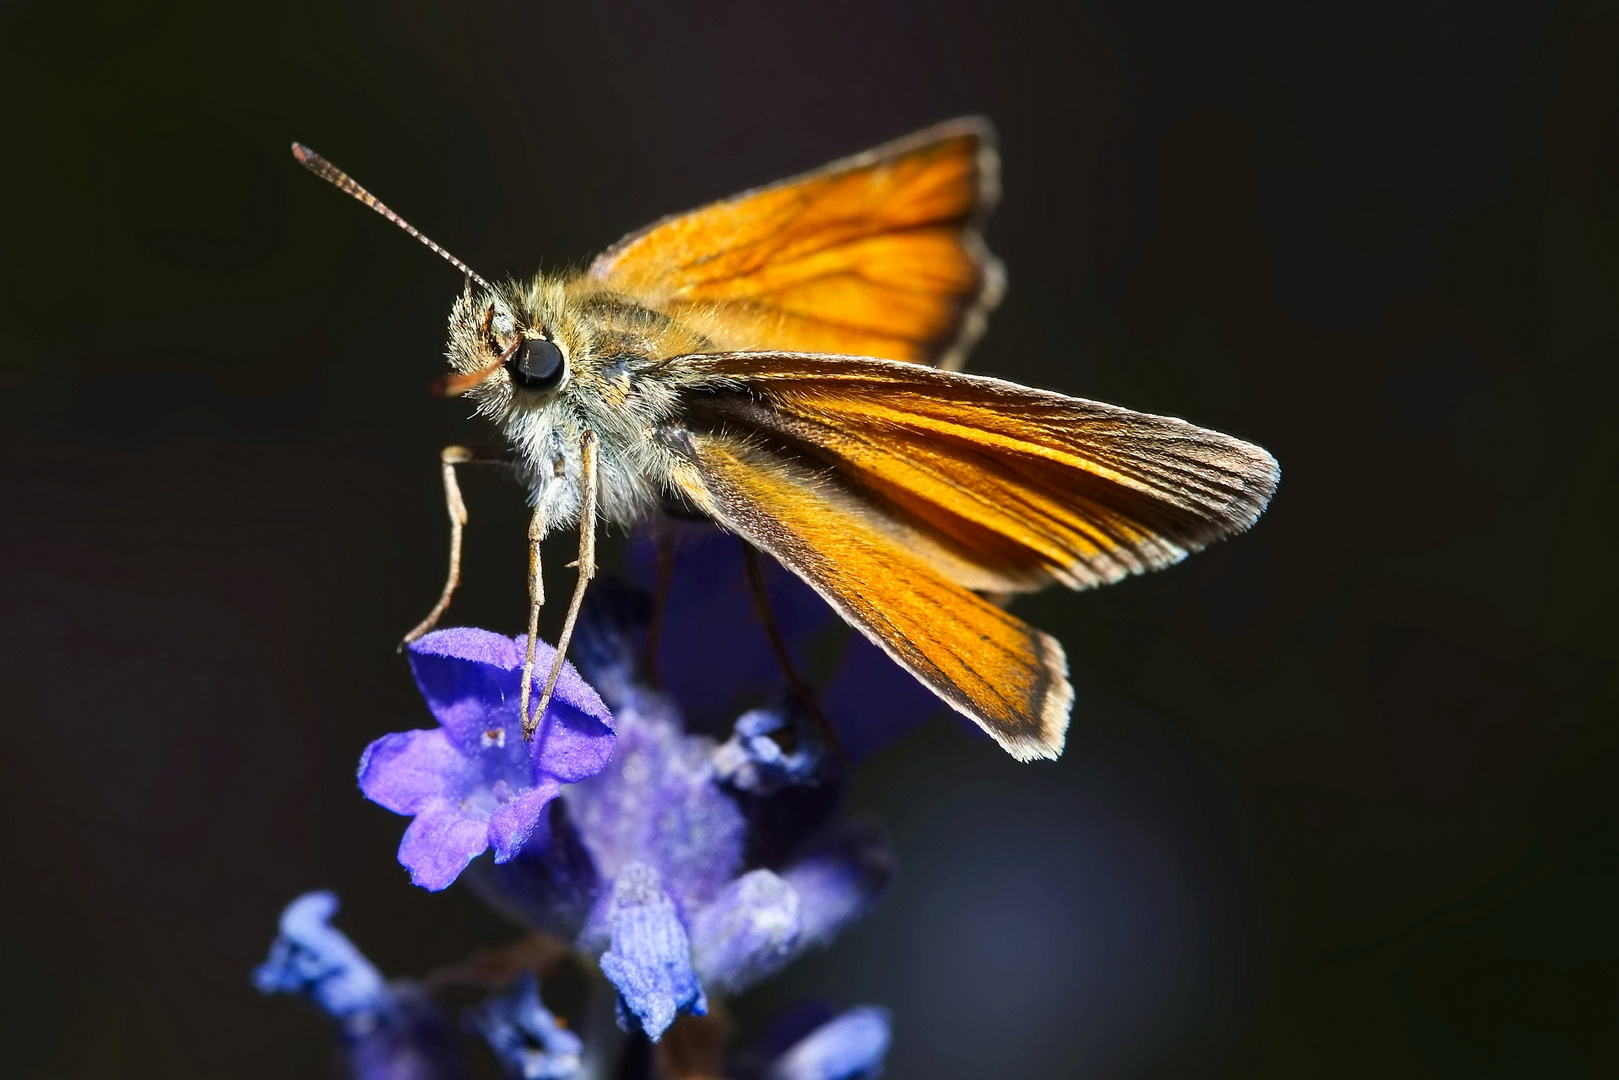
(327,171)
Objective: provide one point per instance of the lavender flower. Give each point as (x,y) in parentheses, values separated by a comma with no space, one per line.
(650,958)
(757,758)
(314,958)
(474,782)
(645,865)
(684,865)
(657,805)
(525,1036)
(810,1042)
(838,876)
(851,1046)
(390,1030)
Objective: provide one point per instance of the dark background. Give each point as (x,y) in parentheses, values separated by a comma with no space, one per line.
(1340,796)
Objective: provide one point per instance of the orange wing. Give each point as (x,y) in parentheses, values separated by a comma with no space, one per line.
(899,492)
(1000,672)
(878,255)
(999,487)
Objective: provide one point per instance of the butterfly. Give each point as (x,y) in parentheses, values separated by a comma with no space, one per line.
(782,364)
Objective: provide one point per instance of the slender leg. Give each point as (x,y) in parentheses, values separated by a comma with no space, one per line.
(536,600)
(449,458)
(587,570)
(755,573)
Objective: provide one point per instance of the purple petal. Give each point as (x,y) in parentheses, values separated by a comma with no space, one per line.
(310,956)
(467,677)
(511,825)
(551,883)
(571,689)
(472,680)
(572,742)
(524,1035)
(747,934)
(439,844)
(839,878)
(471,645)
(650,960)
(656,804)
(408,770)
(849,1047)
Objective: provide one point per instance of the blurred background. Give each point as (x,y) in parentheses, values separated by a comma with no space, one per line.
(1339,799)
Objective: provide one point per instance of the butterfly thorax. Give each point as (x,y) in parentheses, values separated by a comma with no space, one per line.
(564,355)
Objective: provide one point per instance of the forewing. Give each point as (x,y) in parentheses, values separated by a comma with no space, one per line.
(877,255)
(1000,487)
(1008,677)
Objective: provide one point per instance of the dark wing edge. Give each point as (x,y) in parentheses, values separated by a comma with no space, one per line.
(1126,492)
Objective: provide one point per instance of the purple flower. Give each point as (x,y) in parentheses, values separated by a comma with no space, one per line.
(390,1030)
(650,958)
(766,919)
(683,865)
(524,1035)
(313,958)
(666,840)
(750,932)
(660,808)
(755,760)
(838,876)
(851,1046)
(473,782)
(809,1042)
(646,864)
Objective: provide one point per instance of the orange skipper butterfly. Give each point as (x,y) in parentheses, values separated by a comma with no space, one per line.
(782,363)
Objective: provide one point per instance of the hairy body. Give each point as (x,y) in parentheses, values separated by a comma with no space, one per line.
(620,382)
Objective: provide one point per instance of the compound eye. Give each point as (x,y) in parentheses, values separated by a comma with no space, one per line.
(537,365)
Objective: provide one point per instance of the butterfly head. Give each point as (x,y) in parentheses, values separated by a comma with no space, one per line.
(514,348)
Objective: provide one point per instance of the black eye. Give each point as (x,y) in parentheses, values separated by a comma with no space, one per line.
(536,365)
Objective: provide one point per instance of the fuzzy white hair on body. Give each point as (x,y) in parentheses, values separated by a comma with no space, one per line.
(618,384)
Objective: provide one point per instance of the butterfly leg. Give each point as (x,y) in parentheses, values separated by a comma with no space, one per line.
(587,570)
(537,525)
(754,570)
(449,458)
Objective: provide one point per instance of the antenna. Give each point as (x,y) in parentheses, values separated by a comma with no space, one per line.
(327,171)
